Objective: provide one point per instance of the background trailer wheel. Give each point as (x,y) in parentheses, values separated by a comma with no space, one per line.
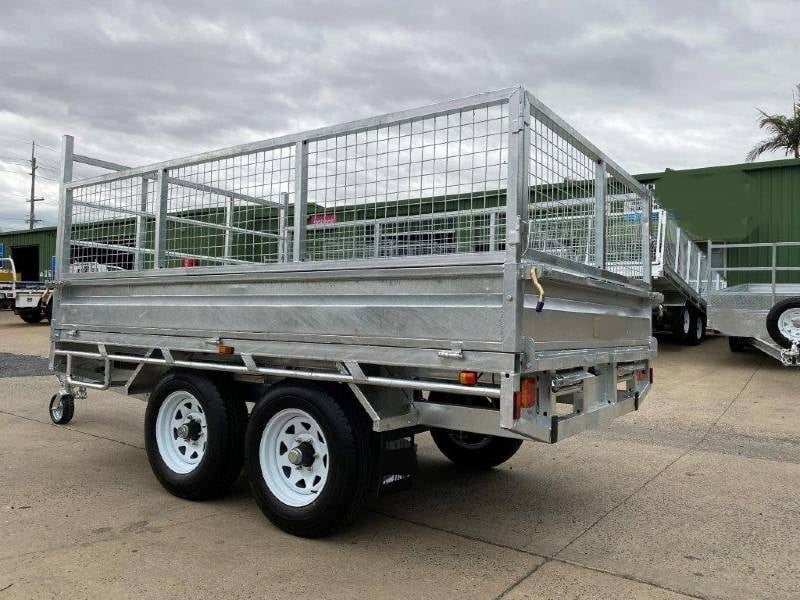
(193,435)
(62,408)
(783,322)
(308,459)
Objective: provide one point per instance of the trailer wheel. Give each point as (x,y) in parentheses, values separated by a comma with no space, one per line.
(738,344)
(31,316)
(783,322)
(474,450)
(683,325)
(307,458)
(697,329)
(62,408)
(193,435)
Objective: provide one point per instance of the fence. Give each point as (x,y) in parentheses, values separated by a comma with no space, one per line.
(441,180)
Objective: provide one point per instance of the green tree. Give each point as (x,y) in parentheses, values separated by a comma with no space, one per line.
(784,132)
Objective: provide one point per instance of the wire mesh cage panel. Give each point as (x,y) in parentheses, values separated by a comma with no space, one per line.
(231,210)
(561,179)
(408,188)
(113,224)
(423,182)
(624,211)
(567,183)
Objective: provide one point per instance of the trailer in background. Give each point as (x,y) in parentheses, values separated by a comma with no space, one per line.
(762,309)
(681,274)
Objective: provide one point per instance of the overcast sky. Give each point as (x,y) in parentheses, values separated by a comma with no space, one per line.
(654,84)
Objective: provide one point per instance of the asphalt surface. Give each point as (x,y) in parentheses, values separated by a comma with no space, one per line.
(697,495)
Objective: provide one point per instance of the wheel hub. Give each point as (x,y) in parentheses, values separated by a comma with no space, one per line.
(301,455)
(190,430)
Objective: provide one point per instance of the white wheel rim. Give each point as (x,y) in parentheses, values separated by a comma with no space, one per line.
(294,484)
(699,332)
(181,449)
(789,324)
(57,409)
(687,322)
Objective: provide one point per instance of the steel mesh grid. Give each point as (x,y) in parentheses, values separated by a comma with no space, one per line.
(408,188)
(113,225)
(624,211)
(561,181)
(231,210)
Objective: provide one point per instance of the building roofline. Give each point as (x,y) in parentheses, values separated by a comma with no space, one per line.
(747,166)
(21,231)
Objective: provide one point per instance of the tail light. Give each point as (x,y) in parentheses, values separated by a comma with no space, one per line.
(467,378)
(525,397)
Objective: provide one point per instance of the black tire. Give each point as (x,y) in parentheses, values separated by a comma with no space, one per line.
(225,416)
(774,316)
(739,344)
(350,474)
(697,330)
(31,316)
(683,325)
(474,451)
(61,409)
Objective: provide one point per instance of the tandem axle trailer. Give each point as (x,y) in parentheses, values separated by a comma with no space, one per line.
(359,286)
(680,273)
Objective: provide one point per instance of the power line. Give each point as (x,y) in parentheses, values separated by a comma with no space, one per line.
(9,137)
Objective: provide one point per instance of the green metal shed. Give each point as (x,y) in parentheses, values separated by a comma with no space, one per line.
(32,251)
(744,203)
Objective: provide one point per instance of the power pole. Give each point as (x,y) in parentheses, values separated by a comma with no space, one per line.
(32,219)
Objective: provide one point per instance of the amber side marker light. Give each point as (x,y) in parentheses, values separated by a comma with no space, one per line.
(525,397)
(644,375)
(468,378)
(225,349)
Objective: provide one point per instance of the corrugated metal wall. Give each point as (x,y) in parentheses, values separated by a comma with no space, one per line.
(45,238)
(747,203)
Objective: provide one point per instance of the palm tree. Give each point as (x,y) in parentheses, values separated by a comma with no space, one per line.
(784,132)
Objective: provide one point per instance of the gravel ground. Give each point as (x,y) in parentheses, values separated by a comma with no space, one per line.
(22,365)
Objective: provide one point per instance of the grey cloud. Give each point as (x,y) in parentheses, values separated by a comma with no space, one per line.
(655,84)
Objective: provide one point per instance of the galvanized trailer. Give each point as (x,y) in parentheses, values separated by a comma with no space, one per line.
(358,284)
(680,272)
(762,310)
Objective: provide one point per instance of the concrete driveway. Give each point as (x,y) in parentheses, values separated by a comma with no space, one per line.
(696,495)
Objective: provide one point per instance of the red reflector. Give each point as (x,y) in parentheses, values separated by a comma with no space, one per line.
(468,378)
(525,397)
(225,349)
(190,262)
